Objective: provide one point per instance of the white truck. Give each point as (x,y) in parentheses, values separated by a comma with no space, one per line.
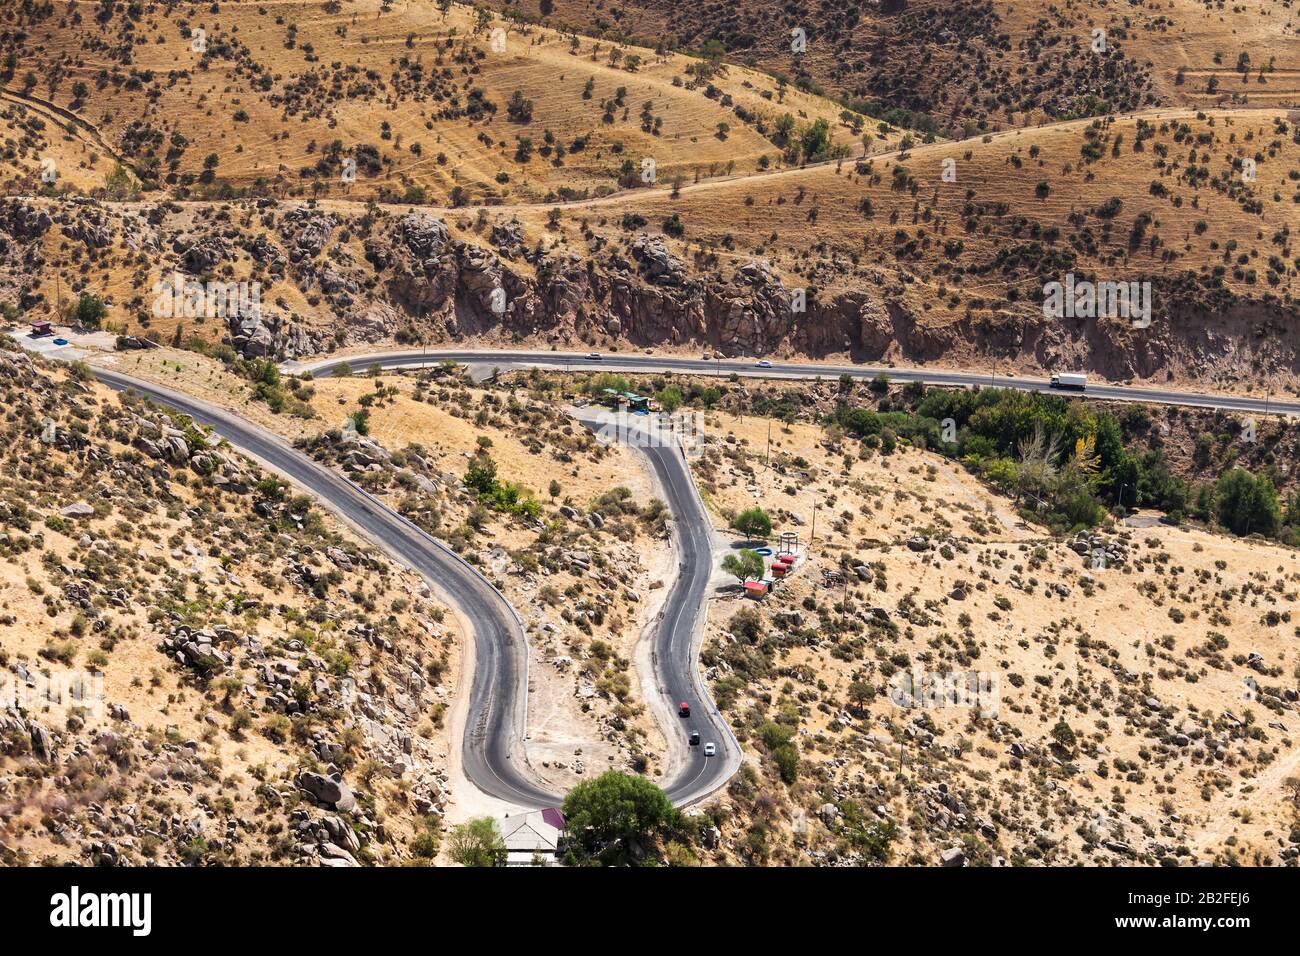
(1070,380)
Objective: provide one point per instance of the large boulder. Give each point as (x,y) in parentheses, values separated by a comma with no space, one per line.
(657,263)
(306,232)
(423,235)
(330,791)
(23,220)
(203,254)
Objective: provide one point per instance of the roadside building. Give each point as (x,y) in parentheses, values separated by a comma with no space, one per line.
(616,399)
(532,839)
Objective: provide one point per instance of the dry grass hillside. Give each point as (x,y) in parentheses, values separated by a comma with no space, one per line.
(900,262)
(511,204)
(427,106)
(261,688)
(985,65)
(897,261)
(1140,713)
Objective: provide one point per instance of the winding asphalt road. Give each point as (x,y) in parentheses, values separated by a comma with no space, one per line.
(498,697)
(676,641)
(679,628)
(492,754)
(680,631)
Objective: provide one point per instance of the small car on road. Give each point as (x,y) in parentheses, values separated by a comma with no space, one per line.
(594,356)
(683,709)
(694,739)
(762,363)
(710,750)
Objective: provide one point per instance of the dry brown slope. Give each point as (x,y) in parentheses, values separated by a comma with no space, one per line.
(276,85)
(989,64)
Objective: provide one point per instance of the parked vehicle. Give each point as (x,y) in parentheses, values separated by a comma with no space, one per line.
(1076,380)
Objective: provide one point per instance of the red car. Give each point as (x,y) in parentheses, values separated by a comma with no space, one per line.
(683,709)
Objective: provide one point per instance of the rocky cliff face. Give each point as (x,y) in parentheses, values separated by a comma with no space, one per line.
(346,277)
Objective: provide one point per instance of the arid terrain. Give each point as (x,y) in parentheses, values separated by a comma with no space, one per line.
(406,170)
(240,650)
(1167,667)
(1021,627)
(984,65)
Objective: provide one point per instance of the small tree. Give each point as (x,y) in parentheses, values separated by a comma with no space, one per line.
(779,741)
(88,311)
(518,108)
(1247,503)
(754,523)
(748,565)
(1064,735)
(860,692)
(607,816)
(477,842)
(481,476)
(670,398)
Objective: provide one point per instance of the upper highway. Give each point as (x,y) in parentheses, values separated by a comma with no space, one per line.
(639,362)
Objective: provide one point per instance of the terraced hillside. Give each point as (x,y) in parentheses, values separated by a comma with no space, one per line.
(988,64)
(409,103)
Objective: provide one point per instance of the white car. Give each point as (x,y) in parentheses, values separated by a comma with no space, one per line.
(710,750)
(762,363)
(594,356)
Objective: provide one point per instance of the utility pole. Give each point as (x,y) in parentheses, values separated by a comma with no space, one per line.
(813,537)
